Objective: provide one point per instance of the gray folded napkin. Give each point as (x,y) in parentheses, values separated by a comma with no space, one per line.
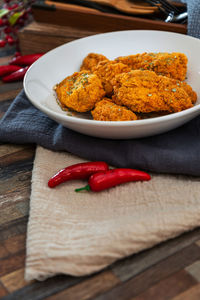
(193,8)
(177,151)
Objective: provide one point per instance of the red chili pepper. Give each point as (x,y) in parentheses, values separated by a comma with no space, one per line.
(104,180)
(25,60)
(5,70)
(15,76)
(77,171)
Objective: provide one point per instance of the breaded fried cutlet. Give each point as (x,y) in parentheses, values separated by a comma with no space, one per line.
(80,91)
(106,110)
(145,92)
(91,61)
(192,94)
(173,65)
(107,70)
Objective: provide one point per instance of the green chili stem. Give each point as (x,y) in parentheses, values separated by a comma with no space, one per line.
(85,188)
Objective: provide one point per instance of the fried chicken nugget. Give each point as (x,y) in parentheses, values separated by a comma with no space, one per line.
(107,70)
(145,92)
(91,61)
(80,91)
(106,110)
(173,65)
(192,94)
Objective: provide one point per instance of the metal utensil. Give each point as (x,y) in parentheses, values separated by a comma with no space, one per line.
(173,14)
(164,6)
(176,18)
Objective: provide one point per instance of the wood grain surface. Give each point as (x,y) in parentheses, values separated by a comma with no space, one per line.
(67,22)
(171,270)
(91,19)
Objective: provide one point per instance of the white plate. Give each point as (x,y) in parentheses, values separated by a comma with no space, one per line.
(66,59)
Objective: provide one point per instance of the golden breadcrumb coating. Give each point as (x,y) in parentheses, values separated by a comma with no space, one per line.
(106,110)
(192,94)
(173,65)
(80,91)
(91,61)
(145,92)
(107,70)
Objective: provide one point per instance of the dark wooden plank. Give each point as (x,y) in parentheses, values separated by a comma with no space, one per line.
(136,264)
(15,281)
(39,37)
(194,270)
(14,199)
(88,288)
(3,291)
(4,107)
(16,168)
(12,245)
(11,86)
(9,213)
(16,243)
(41,290)
(12,228)
(169,287)
(151,276)
(6,149)
(5,59)
(61,26)
(191,294)
(18,154)
(16,164)
(16,203)
(15,178)
(12,263)
(23,206)
(8,95)
(101,22)
(3,251)
(198,243)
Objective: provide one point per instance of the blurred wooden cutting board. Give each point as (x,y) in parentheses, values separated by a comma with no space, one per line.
(136,7)
(65,22)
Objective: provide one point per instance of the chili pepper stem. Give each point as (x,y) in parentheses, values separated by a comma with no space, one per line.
(85,188)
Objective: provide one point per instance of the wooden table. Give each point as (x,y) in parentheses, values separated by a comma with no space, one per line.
(170,270)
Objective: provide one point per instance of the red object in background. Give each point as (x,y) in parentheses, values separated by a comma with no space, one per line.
(4,22)
(104,180)
(5,70)
(15,76)
(2,43)
(15,5)
(14,16)
(17,53)
(77,171)
(10,40)
(26,60)
(8,30)
(7,37)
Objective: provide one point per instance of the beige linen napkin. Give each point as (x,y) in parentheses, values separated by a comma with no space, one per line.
(80,233)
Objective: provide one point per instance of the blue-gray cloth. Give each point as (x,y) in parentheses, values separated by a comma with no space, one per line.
(193,24)
(176,152)
(193,9)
